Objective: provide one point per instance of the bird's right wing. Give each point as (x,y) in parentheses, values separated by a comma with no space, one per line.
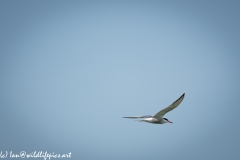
(161,113)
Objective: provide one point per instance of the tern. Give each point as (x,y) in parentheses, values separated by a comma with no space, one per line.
(158,118)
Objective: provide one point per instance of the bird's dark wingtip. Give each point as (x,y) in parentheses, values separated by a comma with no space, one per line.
(183,95)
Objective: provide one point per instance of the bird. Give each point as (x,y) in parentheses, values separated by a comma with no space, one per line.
(158,118)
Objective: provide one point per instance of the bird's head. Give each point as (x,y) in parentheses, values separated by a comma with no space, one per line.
(166,120)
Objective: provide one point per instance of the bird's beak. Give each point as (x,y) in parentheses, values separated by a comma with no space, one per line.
(169,121)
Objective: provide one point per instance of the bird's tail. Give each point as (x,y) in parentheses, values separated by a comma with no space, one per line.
(140,120)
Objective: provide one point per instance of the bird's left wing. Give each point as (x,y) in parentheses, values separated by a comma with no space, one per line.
(138,117)
(161,113)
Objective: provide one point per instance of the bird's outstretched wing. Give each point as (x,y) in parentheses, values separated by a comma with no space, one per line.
(138,117)
(161,113)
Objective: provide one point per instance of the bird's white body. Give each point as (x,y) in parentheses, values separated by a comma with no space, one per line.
(150,120)
(158,118)
(154,120)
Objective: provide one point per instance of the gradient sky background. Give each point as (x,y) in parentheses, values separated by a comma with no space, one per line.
(70,70)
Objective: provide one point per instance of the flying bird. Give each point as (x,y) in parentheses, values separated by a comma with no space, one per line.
(158,118)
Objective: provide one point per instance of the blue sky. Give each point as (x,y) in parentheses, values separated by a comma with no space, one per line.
(70,70)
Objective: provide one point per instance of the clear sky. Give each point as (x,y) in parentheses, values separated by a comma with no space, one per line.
(70,70)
